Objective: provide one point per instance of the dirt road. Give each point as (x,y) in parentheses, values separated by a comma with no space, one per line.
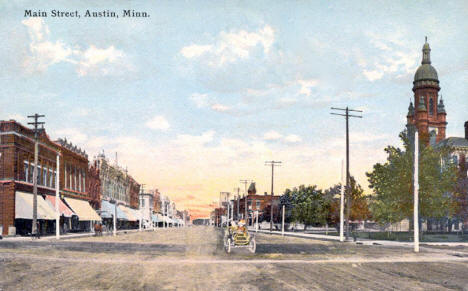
(193,259)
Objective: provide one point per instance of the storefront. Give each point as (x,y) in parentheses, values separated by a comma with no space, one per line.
(66,213)
(24,214)
(86,215)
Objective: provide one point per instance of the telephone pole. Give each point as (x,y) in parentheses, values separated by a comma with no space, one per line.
(272,164)
(36,123)
(348,192)
(226,195)
(245,198)
(237,202)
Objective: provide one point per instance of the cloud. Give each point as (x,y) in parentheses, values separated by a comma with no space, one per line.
(392,56)
(276,136)
(194,50)
(272,135)
(201,100)
(74,135)
(44,53)
(101,61)
(231,46)
(306,86)
(292,138)
(158,122)
(220,107)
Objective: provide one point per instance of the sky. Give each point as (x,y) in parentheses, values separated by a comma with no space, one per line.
(200,94)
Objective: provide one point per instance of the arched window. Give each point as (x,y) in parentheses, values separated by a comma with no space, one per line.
(431,106)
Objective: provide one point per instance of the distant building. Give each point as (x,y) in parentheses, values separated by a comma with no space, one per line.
(146,208)
(248,205)
(119,194)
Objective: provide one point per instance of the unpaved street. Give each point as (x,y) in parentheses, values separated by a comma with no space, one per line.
(193,259)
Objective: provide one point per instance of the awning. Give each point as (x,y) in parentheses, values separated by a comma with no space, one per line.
(155,218)
(129,213)
(63,209)
(82,208)
(24,207)
(136,213)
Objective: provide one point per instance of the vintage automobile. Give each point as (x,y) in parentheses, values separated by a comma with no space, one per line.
(237,236)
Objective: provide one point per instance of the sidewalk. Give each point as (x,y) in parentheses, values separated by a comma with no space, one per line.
(360,240)
(73,235)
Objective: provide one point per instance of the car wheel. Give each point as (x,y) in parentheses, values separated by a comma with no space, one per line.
(252,246)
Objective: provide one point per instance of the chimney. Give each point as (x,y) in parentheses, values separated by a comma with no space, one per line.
(466,129)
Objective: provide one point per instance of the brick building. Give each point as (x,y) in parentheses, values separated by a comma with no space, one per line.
(253,202)
(428,113)
(16,181)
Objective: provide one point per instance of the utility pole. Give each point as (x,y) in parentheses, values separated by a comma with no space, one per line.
(245,198)
(272,164)
(226,196)
(142,186)
(237,202)
(348,192)
(342,202)
(57,197)
(36,123)
(416,192)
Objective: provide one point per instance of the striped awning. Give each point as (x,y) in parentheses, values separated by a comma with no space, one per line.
(63,209)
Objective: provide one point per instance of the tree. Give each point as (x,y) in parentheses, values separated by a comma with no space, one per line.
(392,183)
(308,205)
(359,203)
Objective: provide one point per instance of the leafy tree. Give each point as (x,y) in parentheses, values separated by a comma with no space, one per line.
(359,203)
(392,183)
(308,205)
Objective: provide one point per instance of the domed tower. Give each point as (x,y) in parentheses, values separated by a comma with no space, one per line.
(429,116)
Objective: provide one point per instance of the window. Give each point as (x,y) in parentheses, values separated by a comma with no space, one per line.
(257,206)
(249,203)
(75,174)
(31,172)
(26,171)
(39,175)
(44,175)
(79,180)
(51,177)
(431,106)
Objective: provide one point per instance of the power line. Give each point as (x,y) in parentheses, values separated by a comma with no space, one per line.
(273,164)
(348,192)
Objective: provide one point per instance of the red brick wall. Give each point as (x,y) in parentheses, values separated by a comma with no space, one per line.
(93,186)
(7,206)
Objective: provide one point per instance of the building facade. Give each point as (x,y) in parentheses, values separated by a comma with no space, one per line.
(16,182)
(427,114)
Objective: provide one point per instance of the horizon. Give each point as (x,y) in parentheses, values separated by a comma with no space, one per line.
(195,98)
